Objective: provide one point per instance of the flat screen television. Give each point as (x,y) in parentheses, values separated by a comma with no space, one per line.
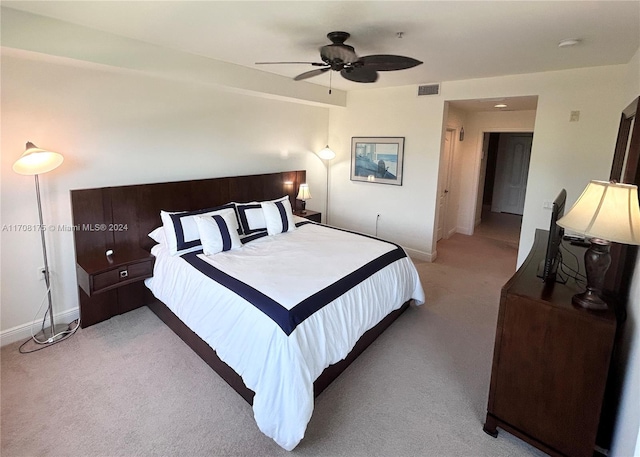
(549,266)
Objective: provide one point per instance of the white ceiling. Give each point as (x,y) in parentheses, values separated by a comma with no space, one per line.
(455,40)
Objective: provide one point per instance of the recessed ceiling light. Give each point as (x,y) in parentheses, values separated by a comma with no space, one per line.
(500,105)
(568,42)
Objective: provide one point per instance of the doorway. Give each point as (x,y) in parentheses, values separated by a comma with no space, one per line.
(463,203)
(444,184)
(505,183)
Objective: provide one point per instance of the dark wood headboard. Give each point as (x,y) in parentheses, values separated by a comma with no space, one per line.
(121,217)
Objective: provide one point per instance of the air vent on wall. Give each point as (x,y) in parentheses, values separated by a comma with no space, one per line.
(429,89)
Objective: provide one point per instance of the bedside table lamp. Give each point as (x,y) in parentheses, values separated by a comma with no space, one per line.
(304,195)
(605,212)
(35,161)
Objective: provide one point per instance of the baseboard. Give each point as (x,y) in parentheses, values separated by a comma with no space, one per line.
(23,332)
(464,231)
(421,255)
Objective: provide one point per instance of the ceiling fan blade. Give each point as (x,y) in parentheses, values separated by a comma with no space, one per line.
(310,74)
(388,62)
(315,64)
(360,74)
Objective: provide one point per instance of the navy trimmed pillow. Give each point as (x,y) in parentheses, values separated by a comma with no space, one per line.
(181,230)
(251,217)
(278,216)
(218,231)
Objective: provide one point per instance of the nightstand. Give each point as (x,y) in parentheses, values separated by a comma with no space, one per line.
(108,286)
(314,216)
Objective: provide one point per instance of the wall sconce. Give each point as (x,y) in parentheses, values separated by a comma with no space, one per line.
(462,133)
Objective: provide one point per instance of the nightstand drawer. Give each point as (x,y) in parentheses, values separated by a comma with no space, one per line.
(104,280)
(99,273)
(121,275)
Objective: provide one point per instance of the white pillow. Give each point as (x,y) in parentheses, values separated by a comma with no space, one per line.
(278,216)
(218,231)
(157,235)
(251,217)
(181,231)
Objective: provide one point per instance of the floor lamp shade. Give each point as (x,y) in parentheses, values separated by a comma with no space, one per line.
(326,153)
(35,161)
(605,212)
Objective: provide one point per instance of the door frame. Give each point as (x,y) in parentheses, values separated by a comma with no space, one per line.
(477,191)
(446,175)
(499,183)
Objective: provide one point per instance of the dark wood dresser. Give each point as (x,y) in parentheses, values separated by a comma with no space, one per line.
(550,360)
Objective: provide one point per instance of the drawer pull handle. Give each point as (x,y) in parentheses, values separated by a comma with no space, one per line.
(124,274)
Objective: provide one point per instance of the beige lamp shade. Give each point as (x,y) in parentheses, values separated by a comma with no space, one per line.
(606,210)
(303,192)
(35,161)
(326,153)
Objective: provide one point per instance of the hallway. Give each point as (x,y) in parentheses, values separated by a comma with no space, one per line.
(499,226)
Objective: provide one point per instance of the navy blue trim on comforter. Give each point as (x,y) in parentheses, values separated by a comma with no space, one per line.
(287,319)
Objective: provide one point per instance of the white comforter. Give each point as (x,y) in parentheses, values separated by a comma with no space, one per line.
(289,268)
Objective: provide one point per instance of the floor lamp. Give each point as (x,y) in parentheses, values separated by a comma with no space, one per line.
(35,161)
(327,155)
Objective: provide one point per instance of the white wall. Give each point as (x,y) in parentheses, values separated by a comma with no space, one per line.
(388,112)
(564,154)
(118,127)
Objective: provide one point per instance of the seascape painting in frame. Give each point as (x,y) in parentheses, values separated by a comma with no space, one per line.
(377,159)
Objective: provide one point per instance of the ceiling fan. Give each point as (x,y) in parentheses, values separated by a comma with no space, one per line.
(341,57)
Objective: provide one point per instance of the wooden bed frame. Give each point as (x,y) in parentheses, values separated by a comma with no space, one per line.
(138,207)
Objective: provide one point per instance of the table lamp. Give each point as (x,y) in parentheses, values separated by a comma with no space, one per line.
(605,212)
(304,195)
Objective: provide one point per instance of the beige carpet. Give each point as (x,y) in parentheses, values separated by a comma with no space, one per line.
(130,387)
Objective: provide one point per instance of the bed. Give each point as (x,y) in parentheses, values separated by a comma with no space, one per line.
(280,315)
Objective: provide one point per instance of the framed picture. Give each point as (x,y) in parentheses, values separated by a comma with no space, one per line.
(377,159)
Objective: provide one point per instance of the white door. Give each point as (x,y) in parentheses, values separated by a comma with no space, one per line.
(444,182)
(512,171)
